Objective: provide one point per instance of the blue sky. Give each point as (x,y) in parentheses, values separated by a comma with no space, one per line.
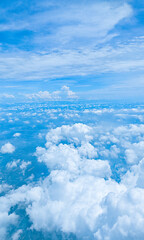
(95,48)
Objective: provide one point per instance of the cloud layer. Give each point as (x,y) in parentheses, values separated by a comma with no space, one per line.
(81,195)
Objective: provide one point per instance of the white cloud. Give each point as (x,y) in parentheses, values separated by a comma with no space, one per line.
(6,220)
(80,195)
(67,93)
(64,94)
(41,95)
(5,95)
(13,164)
(97,168)
(62,156)
(4,188)
(135,152)
(82,198)
(7,148)
(16,235)
(73,63)
(73,134)
(76,20)
(24,165)
(74,42)
(17,134)
(18,163)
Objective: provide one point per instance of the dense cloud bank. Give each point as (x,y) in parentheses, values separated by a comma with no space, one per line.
(81,195)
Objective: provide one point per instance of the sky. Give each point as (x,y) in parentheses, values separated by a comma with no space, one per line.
(71,168)
(61,49)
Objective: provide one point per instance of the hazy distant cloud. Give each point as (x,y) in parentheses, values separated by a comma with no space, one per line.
(5,95)
(39,95)
(63,94)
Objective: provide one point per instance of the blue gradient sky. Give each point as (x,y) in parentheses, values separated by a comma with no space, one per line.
(94,47)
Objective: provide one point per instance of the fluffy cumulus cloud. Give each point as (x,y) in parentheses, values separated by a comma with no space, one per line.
(75,133)
(80,195)
(83,198)
(67,93)
(64,94)
(7,148)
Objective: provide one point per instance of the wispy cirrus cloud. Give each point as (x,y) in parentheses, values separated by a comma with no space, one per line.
(59,39)
(62,38)
(5,95)
(68,21)
(23,65)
